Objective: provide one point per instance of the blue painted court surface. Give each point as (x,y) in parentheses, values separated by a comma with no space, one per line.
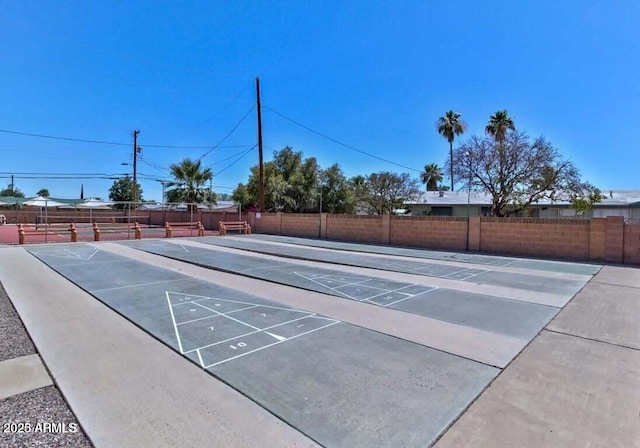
(475,275)
(342,385)
(492,260)
(485,312)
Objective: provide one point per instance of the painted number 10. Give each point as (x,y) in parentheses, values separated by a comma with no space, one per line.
(238,345)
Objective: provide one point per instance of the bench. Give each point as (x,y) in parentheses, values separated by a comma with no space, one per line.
(47,229)
(116,228)
(243,226)
(170,226)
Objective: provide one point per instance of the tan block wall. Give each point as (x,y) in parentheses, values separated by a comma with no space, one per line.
(614,239)
(432,232)
(632,242)
(301,224)
(360,228)
(597,239)
(546,238)
(267,223)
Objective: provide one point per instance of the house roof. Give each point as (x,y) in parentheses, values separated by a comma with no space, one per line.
(11,200)
(611,198)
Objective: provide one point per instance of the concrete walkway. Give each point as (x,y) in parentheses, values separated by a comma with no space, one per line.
(125,387)
(575,385)
(22,374)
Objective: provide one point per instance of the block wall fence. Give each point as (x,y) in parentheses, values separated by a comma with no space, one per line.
(610,240)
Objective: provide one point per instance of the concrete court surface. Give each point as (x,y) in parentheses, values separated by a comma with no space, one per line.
(491,420)
(450,271)
(326,378)
(479,259)
(576,385)
(485,312)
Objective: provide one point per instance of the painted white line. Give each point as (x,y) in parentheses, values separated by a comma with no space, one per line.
(175,327)
(411,297)
(239,309)
(196,320)
(228,317)
(182,245)
(91,256)
(254,332)
(218,313)
(72,253)
(394,290)
(361,284)
(456,272)
(200,358)
(472,275)
(276,336)
(229,300)
(139,284)
(269,345)
(329,287)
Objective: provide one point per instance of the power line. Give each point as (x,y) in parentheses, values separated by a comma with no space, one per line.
(339,142)
(101,142)
(228,134)
(231,157)
(234,162)
(64,138)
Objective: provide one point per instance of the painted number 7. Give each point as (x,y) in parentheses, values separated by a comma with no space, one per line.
(238,345)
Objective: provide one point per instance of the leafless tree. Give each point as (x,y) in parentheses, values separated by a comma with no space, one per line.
(385,191)
(517,172)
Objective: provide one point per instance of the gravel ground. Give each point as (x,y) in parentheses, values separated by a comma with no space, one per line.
(41,417)
(14,340)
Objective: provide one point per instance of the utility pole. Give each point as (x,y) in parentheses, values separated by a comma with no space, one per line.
(12,185)
(135,166)
(260,144)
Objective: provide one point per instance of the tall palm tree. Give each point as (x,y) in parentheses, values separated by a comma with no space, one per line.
(431,176)
(449,126)
(189,181)
(499,124)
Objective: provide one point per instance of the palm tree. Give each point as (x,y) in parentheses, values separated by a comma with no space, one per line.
(499,124)
(189,183)
(431,176)
(449,126)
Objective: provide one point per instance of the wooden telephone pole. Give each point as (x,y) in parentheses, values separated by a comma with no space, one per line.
(135,166)
(261,197)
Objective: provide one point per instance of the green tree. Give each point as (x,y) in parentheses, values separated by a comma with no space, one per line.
(518,172)
(189,183)
(431,176)
(585,201)
(43,192)
(290,184)
(241,196)
(337,196)
(384,191)
(12,192)
(122,191)
(499,123)
(449,126)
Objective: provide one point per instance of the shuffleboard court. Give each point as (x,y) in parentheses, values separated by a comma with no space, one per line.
(498,315)
(483,275)
(492,260)
(339,384)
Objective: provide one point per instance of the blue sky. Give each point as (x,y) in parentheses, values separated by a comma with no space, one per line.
(373,74)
